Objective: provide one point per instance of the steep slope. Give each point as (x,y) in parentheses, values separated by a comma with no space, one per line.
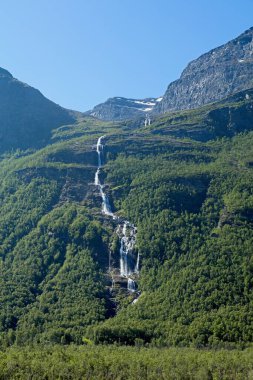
(52,244)
(225,118)
(27,118)
(191,202)
(119,108)
(213,76)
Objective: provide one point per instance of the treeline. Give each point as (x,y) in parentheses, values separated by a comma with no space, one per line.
(123,363)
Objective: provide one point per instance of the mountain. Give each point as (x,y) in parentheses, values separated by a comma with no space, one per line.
(213,76)
(225,118)
(183,183)
(119,108)
(27,118)
(125,233)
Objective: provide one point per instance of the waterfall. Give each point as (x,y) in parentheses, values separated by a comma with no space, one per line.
(99,149)
(137,263)
(130,285)
(147,120)
(106,208)
(126,231)
(127,243)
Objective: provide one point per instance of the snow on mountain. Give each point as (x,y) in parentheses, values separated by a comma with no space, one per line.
(119,108)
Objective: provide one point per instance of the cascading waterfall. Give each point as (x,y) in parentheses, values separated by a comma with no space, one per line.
(127,243)
(137,263)
(130,285)
(126,231)
(106,208)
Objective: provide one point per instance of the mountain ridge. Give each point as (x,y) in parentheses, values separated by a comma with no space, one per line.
(120,108)
(191,202)
(27,117)
(214,75)
(183,181)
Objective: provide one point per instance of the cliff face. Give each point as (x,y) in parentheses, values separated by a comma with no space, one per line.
(213,76)
(26,116)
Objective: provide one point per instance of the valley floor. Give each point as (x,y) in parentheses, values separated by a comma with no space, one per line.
(123,363)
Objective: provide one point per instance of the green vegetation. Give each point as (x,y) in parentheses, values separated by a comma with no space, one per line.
(123,363)
(192,203)
(194,220)
(53,248)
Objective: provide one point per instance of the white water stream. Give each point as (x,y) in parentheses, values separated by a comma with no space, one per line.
(106,208)
(125,230)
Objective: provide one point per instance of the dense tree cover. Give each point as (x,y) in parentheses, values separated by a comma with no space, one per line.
(53,250)
(192,203)
(51,285)
(123,363)
(195,239)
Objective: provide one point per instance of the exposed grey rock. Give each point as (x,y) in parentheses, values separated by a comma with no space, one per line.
(213,76)
(119,108)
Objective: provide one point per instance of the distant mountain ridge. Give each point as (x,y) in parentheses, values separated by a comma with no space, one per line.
(213,76)
(27,118)
(184,183)
(119,108)
(191,202)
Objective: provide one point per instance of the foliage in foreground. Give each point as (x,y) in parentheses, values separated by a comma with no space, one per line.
(123,363)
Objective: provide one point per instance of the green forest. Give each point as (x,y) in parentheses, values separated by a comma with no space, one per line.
(185,182)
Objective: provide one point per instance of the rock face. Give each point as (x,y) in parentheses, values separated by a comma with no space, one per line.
(26,116)
(215,75)
(119,108)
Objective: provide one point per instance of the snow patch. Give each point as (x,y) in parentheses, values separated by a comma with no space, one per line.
(145,109)
(144,103)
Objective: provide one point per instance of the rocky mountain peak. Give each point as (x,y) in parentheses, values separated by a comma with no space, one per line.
(119,108)
(5,73)
(213,76)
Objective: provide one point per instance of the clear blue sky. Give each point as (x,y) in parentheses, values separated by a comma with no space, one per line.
(80,52)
